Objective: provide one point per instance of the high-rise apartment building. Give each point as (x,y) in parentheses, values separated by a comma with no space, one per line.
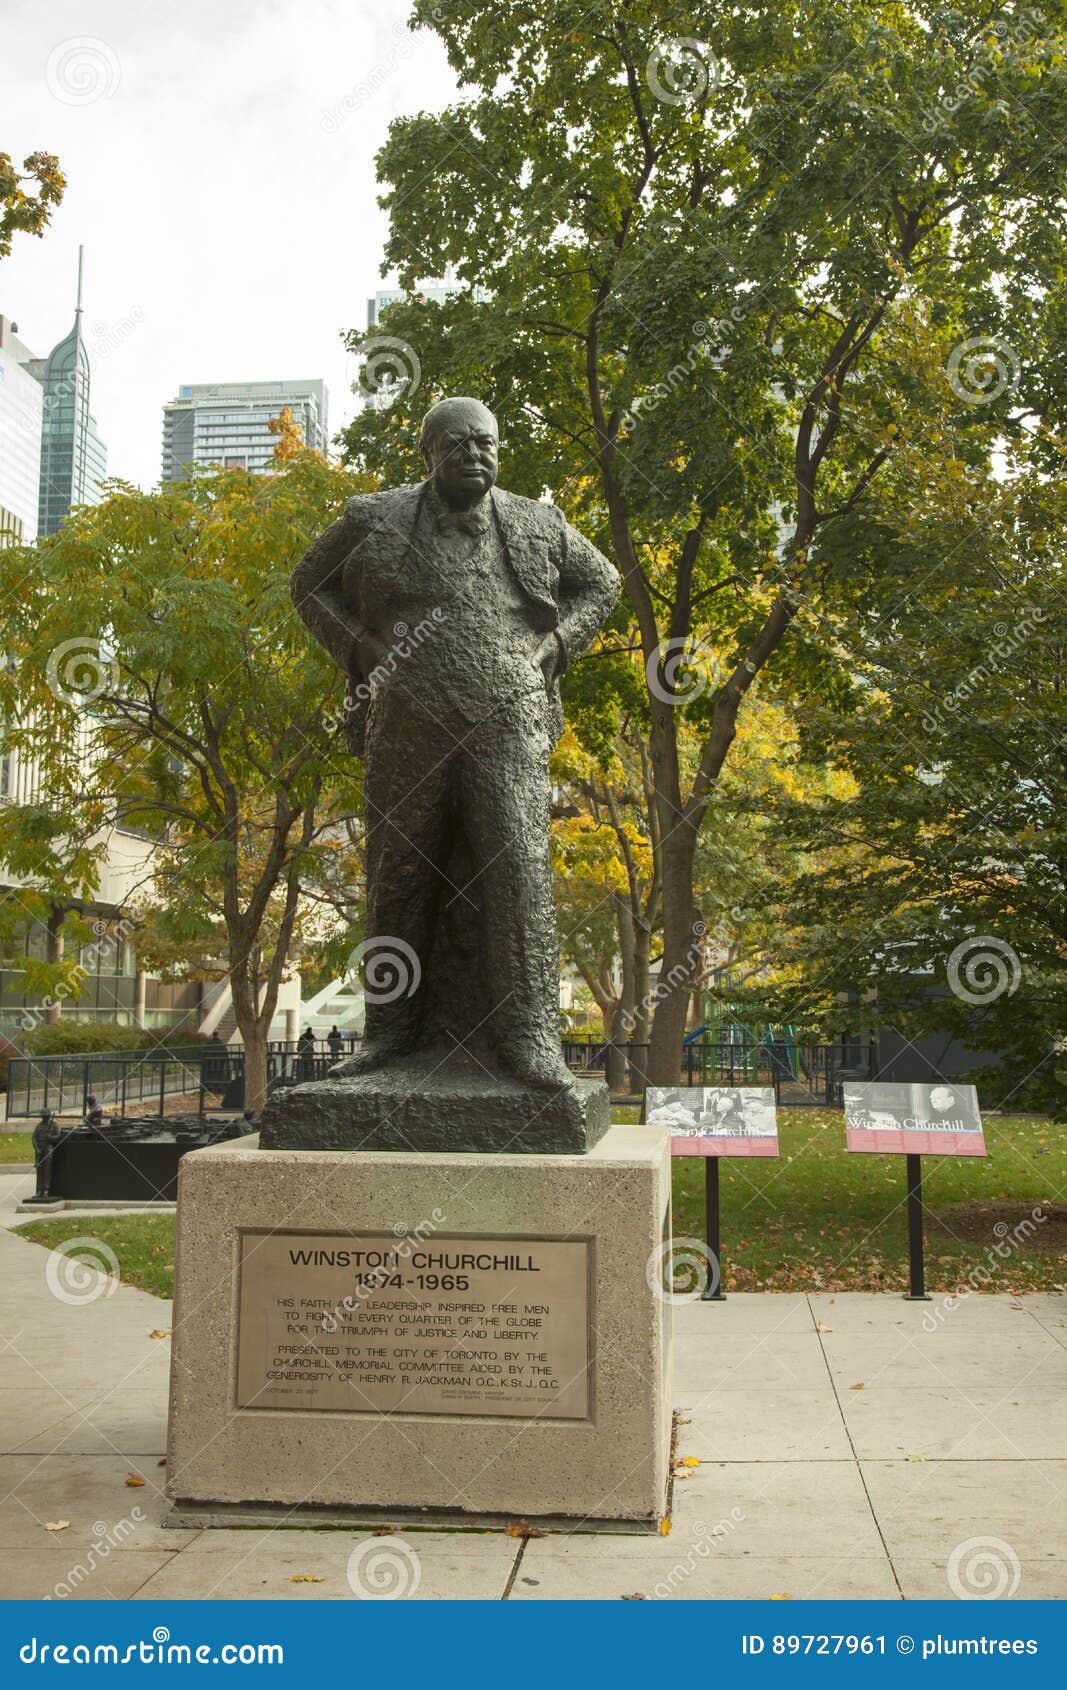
(228,423)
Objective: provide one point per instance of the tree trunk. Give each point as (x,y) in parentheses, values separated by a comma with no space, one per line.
(615,1063)
(681,954)
(254,1032)
(255,1043)
(625,924)
(642,1006)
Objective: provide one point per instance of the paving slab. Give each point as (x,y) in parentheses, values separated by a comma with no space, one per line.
(927,1509)
(239,1566)
(674,1569)
(751,1425)
(92,1495)
(930,1360)
(26,1414)
(37,1574)
(810,1509)
(928,1581)
(131,1423)
(758,1360)
(884,1310)
(1051,1314)
(83,1366)
(744,1312)
(1016,1422)
(1047,1305)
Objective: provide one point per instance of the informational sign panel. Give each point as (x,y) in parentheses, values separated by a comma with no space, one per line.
(715,1120)
(913,1120)
(373,1325)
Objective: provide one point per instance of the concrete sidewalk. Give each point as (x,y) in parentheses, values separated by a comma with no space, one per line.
(845,1446)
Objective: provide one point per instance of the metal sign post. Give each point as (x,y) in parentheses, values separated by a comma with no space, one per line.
(713,1291)
(916,1270)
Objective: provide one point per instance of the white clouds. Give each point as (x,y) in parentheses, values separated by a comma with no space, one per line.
(223,186)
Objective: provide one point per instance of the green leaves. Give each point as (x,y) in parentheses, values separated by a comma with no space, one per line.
(161,681)
(28,197)
(766,333)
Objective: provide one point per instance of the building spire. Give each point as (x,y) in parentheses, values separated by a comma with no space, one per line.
(81,267)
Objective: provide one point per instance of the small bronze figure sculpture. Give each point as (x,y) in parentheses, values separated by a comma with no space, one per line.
(44,1138)
(453,608)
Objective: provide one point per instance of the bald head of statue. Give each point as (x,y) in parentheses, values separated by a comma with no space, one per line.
(459,442)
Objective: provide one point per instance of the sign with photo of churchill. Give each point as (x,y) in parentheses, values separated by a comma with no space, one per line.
(715,1120)
(913,1120)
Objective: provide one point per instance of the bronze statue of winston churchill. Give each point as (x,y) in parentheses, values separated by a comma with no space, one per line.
(453,608)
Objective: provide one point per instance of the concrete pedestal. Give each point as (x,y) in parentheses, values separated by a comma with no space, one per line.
(465,1334)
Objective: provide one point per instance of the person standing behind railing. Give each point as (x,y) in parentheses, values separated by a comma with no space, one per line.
(305,1054)
(215,1064)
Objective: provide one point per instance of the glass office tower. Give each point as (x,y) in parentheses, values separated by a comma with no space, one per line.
(73,457)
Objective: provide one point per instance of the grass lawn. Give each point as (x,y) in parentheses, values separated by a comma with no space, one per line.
(15,1147)
(144,1244)
(818,1219)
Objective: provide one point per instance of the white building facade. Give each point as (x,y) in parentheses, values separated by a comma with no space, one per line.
(21,409)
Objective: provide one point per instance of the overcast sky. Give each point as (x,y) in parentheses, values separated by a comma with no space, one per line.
(219,157)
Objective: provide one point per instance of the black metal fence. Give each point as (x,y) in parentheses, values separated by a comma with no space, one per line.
(800,1073)
(139,1082)
(142,1081)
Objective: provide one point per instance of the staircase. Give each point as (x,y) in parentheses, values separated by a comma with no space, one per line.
(337,1005)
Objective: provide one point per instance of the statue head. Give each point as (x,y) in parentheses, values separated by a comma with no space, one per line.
(459,446)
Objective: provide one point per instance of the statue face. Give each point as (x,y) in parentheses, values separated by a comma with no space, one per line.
(461,454)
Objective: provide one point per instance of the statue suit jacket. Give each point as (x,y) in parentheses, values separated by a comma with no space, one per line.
(569,586)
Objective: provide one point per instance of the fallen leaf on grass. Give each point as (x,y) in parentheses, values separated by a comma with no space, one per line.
(521,1528)
(307,1578)
(57,1526)
(134,1479)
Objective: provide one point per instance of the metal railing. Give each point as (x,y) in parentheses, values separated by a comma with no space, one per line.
(139,1081)
(142,1081)
(805,1073)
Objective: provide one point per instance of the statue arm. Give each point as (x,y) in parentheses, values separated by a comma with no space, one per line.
(316,589)
(588,589)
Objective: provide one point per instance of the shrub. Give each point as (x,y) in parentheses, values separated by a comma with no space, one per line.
(78,1038)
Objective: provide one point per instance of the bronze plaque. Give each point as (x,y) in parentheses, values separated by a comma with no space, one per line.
(373,1324)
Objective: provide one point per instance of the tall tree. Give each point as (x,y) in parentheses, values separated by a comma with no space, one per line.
(693,232)
(932,896)
(160,678)
(608,881)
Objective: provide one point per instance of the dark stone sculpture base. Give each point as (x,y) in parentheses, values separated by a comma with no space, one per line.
(405,1107)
